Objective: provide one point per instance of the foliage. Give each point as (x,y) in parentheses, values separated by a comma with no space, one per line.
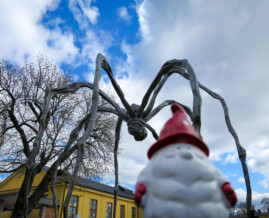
(40,129)
(21,99)
(232,211)
(265,203)
(241,207)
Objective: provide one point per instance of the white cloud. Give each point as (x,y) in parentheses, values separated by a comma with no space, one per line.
(230,158)
(124,14)
(92,44)
(23,36)
(256,197)
(241,195)
(53,5)
(265,183)
(226,43)
(84,12)
(241,180)
(232,174)
(144,26)
(258,162)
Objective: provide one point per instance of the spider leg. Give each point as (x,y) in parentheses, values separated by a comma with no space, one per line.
(77,85)
(241,151)
(102,62)
(170,67)
(164,104)
(156,92)
(116,187)
(152,86)
(153,98)
(154,134)
(111,110)
(197,100)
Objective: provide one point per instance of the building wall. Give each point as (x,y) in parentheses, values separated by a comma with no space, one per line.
(85,196)
(13,183)
(263,215)
(33,214)
(6,214)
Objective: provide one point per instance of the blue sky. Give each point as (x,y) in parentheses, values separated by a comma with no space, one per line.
(225,42)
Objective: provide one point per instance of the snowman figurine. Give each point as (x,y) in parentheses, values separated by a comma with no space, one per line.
(180,181)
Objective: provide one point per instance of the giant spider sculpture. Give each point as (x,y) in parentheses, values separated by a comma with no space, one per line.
(137,116)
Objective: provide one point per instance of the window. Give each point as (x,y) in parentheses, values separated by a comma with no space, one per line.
(108,210)
(133,212)
(73,206)
(93,208)
(122,211)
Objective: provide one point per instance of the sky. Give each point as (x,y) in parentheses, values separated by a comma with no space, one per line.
(226,42)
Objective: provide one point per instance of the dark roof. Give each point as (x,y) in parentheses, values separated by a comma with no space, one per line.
(123,192)
(9,201)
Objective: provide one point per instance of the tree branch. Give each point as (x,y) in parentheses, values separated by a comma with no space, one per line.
(54,197)
(12,171)
(77,85)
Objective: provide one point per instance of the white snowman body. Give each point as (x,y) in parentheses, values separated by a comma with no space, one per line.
(182,183)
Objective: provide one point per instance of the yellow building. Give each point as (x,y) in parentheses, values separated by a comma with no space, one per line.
(89,199)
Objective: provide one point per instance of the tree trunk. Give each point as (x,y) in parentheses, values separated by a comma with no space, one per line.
(43,186)
(53,183)
(21,206)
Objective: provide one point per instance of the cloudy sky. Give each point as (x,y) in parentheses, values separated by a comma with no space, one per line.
(226,42)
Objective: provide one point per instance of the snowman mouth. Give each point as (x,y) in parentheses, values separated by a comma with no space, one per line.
(186,155)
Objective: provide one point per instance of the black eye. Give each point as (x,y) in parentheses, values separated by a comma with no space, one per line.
(178,147)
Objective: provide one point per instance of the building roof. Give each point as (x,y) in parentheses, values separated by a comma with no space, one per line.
(123,192)
(9,200)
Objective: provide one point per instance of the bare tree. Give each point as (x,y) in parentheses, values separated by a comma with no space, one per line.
(241,208)
(232,211)
(265,203)
(47,125)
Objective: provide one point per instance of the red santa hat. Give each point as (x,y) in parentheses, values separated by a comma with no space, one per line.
(177,130)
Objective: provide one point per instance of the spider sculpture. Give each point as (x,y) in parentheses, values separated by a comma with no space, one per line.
(137,116)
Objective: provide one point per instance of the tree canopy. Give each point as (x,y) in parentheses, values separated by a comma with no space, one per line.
(265,203)
(38,131)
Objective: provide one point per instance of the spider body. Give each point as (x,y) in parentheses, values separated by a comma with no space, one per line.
(136,125)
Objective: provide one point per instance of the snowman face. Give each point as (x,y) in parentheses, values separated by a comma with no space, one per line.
(185,151)
(178,160)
